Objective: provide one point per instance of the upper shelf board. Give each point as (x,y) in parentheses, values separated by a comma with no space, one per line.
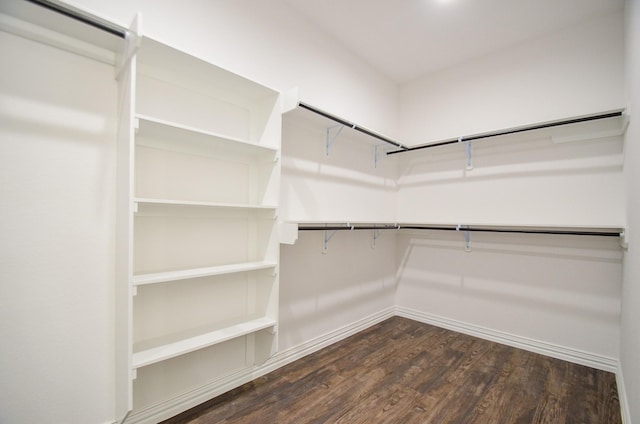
(167,63)
(565,229)
(188,203)
(321,121)
(581,128)
(170,134)
(44,24)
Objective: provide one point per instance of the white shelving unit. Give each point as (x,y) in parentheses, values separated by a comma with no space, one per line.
(170,349)
(162,277)
(199,169)
(434,176)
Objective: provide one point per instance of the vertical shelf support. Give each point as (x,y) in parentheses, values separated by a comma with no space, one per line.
(467,237)
(468,153)
(331,138)
(131,45)
(375,156)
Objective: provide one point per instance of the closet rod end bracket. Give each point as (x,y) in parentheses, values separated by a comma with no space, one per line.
(624,239)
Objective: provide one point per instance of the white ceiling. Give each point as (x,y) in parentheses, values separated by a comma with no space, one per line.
(405,39)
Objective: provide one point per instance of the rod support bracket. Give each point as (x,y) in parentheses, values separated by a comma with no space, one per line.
(467,237)
(468,152)
(327,236)
(624,239)
(332,135)
(374,236)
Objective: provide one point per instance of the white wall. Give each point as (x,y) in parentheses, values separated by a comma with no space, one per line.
(268,42)
(321,293)
(564,291)
(558,290)
(525,179)
(57,132)
(344,186)
(570,73)
(630,333)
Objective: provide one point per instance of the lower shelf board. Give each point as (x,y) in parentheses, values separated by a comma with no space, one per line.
(161,277)
(191,344)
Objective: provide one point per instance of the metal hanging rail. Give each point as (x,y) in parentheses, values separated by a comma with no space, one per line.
(73,14)
(348,227)
(458,228)
(511,131)
(351,125)
(513,230)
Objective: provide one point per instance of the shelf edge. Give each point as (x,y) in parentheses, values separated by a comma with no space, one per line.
(191,344)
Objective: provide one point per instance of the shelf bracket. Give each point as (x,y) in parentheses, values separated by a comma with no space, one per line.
(467,237)
(374,236)
(326,238)
(331,138)
(468,153)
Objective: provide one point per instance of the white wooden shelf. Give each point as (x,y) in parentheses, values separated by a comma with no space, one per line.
(198,186)
(191,344)
(175,136)
(162,61)
(400,225)
(318,120)
(163,277)
(188,203)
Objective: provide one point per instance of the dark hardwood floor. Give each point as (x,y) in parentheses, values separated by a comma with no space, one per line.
(402,371)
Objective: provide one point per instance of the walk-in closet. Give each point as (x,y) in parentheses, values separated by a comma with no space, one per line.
(295,211)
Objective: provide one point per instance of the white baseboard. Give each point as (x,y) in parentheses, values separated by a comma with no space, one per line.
(181,403)
(555,351)
(313,345)
(622,395)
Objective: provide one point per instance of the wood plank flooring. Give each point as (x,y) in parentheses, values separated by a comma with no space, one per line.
(403,371)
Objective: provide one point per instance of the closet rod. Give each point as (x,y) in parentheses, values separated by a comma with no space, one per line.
(512,131)
(515,231)
(348,227)
(350,125)
(55,7)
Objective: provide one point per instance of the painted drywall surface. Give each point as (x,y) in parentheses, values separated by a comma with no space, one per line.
(570,73)
(345,185)
(320,293)
(524,179)
(557,290)
(270,43)
(561,290)
(57,145)
(630,323)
